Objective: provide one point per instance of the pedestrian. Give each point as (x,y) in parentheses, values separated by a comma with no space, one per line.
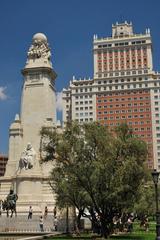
(55,212)
(45,212)
(130,224)
(55,224)
(146,224)
(41,224)
(30,212)
(1,202)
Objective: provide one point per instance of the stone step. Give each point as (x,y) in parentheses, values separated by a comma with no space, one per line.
(23,224)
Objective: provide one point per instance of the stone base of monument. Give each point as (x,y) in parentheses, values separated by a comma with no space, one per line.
(32,191)
(21,224)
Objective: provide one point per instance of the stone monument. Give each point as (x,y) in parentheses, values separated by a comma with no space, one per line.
(24,173)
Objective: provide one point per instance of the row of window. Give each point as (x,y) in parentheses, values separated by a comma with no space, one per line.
(125,111)
(122,73)
(129,86)
(84,102)
(84,90)
(83,96)
(122,67)
(136,123)
(122,99)
(123,93)
(83,108)
(121,59)
(125,105)
(85,119)
(122,80)
(81,114)
(124,117)
(124,44)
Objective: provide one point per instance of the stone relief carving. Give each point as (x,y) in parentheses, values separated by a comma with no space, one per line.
(27,158)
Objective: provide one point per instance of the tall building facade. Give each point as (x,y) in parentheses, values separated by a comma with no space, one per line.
(124,88)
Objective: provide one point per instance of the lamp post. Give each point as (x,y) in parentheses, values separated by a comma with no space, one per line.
(155,177)
(67,221)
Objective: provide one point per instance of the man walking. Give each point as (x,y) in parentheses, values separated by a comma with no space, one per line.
(30,212)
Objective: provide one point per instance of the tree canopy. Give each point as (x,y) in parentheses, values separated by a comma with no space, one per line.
(95,169)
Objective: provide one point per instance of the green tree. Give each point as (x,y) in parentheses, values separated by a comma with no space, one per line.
(96,169)
(145,206)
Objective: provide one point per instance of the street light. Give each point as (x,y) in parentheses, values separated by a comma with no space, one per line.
(67,220)
(155,177)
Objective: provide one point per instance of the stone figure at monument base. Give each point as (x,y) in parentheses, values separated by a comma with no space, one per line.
(30,179)
(27,158)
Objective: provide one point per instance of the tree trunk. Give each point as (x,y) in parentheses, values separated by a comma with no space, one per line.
(79,219)
(104,229)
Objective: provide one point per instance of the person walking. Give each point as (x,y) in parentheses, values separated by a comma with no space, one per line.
(55,212)
(41,224)
(130,225)
(45,212)
(55,224)
(30,212)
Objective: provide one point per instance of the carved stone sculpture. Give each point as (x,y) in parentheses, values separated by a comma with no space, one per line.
(27,158)
(39,47)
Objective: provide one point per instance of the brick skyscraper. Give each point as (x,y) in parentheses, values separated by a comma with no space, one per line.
(124,88)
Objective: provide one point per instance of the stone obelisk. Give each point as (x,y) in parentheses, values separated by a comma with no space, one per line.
(24,172)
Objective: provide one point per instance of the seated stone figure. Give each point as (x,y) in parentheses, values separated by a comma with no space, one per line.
(27,158)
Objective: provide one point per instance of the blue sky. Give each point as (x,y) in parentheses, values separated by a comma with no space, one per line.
(69,26)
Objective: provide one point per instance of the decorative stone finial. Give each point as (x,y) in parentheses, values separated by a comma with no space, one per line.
(39,52)
(17,117)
